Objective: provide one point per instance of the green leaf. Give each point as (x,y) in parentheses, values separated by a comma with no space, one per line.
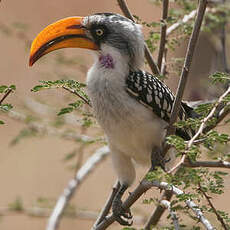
(2,122)
(220,77)
(3,88)
(6,107)
(17,205)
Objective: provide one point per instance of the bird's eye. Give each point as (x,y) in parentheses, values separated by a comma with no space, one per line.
(99,32)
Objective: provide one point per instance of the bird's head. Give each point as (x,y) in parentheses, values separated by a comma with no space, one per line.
(103,32)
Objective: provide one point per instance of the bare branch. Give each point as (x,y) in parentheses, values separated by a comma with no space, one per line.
(163,32)
(69,191)
(173,215)
(187,64)
(142,188)
(208,198)
(105,210)
(124,7)
(209,164)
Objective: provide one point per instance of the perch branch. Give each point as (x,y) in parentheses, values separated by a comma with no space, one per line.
(126,11)
(69,191)
(142,188)
(105,210)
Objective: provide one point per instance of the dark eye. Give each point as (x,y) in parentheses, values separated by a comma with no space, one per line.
(99,32)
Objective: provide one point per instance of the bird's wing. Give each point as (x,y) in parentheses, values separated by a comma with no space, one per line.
(155,95)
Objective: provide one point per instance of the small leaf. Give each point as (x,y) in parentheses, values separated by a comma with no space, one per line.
(3,88)
(6,107)
(2,122)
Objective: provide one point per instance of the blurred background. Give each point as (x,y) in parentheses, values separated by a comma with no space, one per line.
(33,171)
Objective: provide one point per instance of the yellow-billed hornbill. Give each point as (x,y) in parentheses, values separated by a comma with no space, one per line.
(132,106)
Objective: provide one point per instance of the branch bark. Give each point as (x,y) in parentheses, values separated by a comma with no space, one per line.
(173,215)
(145,186)
(163,33)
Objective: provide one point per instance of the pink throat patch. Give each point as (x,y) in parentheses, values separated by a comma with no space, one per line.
(106,61)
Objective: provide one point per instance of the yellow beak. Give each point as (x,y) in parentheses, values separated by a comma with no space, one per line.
(67,32)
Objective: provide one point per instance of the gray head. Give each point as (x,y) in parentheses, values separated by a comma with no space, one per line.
(114,30)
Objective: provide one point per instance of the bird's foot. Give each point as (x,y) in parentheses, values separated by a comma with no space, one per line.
(121,216)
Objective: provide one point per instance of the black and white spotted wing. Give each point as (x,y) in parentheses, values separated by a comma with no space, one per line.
(154,94)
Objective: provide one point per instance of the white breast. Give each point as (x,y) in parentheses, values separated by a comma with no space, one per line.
(130,126)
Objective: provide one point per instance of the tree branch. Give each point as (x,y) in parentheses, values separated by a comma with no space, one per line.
(209,164)
(201,128)
(163,33)
(187,64)
(180,90)
(126,11)
(73,185)
(208,198)
(145,186)
(167,204)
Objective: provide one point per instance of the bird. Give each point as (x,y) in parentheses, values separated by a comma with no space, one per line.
(132,106)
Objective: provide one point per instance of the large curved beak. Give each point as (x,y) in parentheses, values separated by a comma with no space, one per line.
(67,32)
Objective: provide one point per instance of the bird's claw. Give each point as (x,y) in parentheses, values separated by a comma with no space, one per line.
(121,216)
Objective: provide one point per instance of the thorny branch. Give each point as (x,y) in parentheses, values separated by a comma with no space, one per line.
(69,191)
(208,198)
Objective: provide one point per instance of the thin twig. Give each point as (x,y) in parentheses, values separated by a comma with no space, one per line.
(187,64)
(201,128)
(173,215)
(69,191)
(208,198)
(163,33)
(105,210)
(6,95)
(145,186)
(126,11)
(76,93)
